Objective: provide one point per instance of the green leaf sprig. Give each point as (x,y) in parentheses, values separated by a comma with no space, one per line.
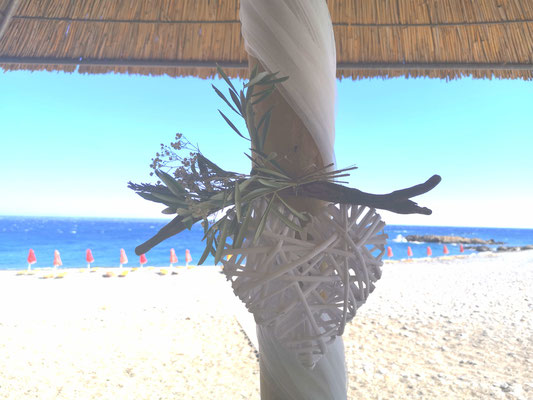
(197,188)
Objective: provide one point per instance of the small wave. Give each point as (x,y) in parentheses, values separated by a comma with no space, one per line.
(399,239)
(74,232)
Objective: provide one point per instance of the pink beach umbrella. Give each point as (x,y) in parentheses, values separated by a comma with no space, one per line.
(173,257)
(57,259)
(409,251)
(89,258)
(445,250)
(31,259)
(123,257)
(461,248)
(142,259)
(389,252)
(429,252)
(188,257)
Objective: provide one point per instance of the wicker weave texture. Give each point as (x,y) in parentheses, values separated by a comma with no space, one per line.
(307,285)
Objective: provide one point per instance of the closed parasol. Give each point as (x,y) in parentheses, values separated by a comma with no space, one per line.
(123,257)
(142,260)
(188,257)
(89,258)
(57,259)
(31,258)
(173,257)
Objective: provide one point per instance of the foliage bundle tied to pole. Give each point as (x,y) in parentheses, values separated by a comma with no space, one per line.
(199,188)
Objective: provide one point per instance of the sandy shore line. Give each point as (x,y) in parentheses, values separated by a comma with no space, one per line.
(447,329)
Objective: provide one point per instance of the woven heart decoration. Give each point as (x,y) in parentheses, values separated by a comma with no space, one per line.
(307,283)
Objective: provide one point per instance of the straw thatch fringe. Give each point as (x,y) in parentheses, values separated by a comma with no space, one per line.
(436,33)
(205,69)
(206,21)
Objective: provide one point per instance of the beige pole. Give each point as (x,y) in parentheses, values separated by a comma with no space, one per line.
(290,140)
(6,16)
(297,154)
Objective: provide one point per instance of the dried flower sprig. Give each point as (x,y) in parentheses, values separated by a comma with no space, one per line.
(200,188)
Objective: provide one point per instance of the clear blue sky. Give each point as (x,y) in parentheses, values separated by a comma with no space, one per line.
(70,143)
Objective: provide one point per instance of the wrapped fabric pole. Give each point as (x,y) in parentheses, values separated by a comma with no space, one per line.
(301,251)
(295,38)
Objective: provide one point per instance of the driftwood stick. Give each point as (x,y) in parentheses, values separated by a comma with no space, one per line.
(397,201)
(172,228)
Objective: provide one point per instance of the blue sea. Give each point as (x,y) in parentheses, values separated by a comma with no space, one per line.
(105,237)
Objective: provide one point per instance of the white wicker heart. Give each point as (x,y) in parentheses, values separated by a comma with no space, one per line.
(307,284)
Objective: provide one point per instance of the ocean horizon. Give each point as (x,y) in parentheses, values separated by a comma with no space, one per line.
(72,236)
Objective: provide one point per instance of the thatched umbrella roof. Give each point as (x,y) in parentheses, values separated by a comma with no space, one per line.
(387,38)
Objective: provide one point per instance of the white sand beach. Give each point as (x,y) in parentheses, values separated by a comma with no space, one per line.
(440,329)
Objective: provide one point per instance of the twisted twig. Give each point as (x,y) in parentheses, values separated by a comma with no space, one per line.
(397,201)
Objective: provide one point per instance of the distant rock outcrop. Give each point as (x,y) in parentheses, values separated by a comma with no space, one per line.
(481,248)
(506,248)
(448,239)
(500,249)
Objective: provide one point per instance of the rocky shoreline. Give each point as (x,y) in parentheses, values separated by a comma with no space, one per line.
(448,239)
(500,249)
(476,244)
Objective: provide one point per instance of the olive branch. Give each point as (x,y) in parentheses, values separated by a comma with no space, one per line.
(198,188)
